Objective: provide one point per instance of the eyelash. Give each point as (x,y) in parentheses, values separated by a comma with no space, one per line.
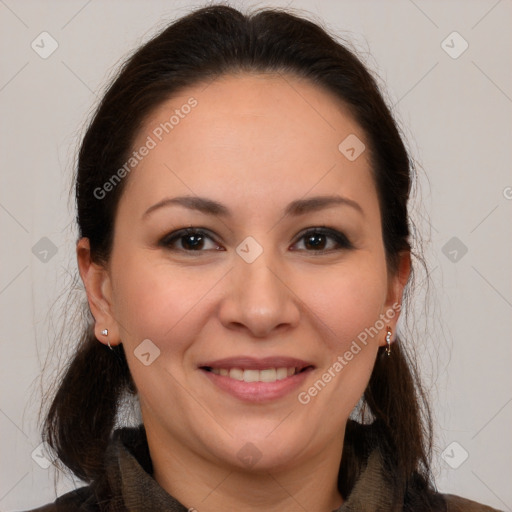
(340,238)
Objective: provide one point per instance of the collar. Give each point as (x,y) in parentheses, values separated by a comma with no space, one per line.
(129,471)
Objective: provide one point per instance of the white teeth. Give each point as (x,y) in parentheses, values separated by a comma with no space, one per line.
(267,375)
(251,375)
(236,373)
(282,373)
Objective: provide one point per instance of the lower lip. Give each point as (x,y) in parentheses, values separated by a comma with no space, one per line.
(258,391)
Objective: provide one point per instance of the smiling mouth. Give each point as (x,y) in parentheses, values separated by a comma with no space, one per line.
(254,375)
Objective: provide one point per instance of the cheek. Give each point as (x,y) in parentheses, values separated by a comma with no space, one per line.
(153,300)
(346,302)
(346,306)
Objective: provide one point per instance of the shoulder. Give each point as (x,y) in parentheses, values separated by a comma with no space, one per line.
(458,504)
(79,500)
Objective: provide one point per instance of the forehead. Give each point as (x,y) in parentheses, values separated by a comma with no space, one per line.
(269,135)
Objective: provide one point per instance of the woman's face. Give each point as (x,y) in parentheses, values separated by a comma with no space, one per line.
(252,337)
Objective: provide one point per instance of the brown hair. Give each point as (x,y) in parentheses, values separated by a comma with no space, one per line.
(205,44)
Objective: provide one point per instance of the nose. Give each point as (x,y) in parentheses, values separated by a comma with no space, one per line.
(258,299)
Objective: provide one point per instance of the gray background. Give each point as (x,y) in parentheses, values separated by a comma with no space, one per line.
(456,115)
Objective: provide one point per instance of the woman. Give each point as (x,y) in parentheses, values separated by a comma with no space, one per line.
(244,244)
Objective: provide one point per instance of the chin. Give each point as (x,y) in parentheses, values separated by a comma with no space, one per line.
(260,451)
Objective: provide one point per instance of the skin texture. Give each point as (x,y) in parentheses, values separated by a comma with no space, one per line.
(254,142)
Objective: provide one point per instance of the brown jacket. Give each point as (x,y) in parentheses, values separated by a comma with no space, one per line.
(129,476)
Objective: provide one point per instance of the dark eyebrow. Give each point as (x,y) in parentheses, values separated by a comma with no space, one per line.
(302,206)
(295,208)
(202,204)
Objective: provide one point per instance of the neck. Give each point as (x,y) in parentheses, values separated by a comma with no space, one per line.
(204,486)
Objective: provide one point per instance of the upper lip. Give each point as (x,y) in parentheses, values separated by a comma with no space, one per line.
(252,363)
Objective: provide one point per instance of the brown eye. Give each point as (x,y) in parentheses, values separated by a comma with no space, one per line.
(324,239)
(189,240)
(192,242)
(315,241)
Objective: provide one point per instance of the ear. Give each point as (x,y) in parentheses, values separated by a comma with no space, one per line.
(97,284)
(396,285)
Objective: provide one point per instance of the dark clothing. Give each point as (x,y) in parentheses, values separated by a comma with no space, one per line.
(129,472)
